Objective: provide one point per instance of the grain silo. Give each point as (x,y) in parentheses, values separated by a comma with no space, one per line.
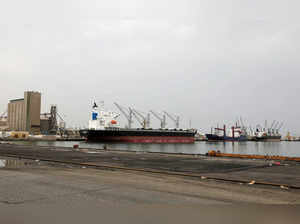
(24,114)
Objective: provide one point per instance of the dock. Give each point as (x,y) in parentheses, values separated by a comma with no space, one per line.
(102,183)
(261,171)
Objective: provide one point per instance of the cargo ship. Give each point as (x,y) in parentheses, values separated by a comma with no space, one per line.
(269,136)
(235,133)
(104,127)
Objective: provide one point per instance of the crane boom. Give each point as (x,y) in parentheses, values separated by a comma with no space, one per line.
(280,126)
(127,116)
(142,122)
(176,120)
(146,119)
(272,124)
(161,119)
(266,124)
(276,124)
(242,123)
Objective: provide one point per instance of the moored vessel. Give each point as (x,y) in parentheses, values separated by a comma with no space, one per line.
(270,134)
(104,127)
(235,133)
(267,136)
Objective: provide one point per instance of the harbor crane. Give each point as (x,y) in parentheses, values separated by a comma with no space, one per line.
(162,119)
(128,115)
(143,120)
(175,119)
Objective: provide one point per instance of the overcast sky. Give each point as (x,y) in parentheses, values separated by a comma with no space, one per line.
(207,60)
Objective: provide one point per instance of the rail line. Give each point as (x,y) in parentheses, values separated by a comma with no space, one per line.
(169,173)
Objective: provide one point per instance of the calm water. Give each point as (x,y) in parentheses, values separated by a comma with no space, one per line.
(258,148)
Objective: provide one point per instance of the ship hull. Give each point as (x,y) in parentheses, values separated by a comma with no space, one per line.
(212,137)
(268,139)
(139,136)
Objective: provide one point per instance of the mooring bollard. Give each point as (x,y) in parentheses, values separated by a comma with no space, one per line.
(76,146)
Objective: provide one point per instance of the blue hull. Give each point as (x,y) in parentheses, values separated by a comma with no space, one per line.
(212,137)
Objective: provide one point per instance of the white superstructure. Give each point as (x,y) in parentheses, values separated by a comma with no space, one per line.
(102,119)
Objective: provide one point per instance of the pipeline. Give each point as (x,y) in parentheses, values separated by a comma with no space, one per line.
(114,167)
(243,156)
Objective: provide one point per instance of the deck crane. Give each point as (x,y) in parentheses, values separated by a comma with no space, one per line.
(127,115)
(243,127)
(3,114)
(272,124)
(276,124)
(266,125)
(275,127)
(175,119)
(251,130)
(161,119)
(258,127)
(241,120)
(270,128)
(143,120)
(280,126)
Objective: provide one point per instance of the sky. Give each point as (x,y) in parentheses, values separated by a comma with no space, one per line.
(209,61)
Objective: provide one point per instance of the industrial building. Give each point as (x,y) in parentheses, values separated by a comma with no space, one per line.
(49,121)
(24,114)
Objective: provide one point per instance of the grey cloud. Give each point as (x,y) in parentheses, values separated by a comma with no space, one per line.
(210,61)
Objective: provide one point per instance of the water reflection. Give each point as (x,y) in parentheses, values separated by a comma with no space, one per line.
(258,148)
(13,163)
(2,163)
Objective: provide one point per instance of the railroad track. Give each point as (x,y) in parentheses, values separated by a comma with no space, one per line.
(151,171)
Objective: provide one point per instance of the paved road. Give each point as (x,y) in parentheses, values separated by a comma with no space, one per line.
(48,192)
(43,192)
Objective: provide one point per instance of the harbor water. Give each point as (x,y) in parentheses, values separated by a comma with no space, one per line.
(291,149)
